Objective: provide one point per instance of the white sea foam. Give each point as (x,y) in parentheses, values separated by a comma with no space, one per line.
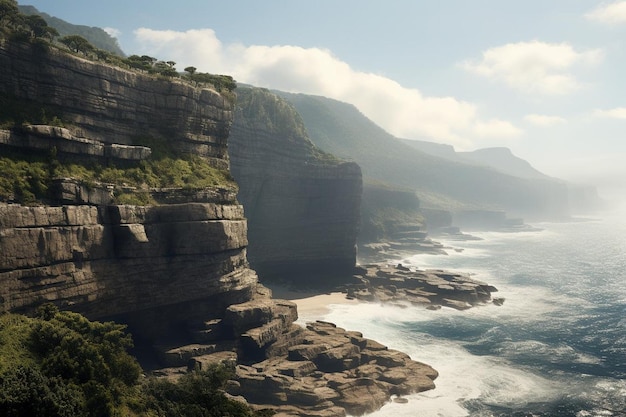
(555,354)
(558,334)
(462,376)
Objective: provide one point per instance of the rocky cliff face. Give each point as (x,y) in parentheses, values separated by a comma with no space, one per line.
(105,260)
(112,105)
(302,205)
(177,272)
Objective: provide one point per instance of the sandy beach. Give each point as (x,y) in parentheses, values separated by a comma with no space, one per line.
(311,305)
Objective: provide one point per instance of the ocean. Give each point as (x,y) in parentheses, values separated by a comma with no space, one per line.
(557,347)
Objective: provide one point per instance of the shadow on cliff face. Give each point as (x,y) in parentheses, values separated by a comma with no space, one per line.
(316,276)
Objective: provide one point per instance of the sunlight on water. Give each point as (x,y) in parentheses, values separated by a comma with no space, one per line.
(557,347)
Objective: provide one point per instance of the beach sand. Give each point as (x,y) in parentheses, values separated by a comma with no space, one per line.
(311,305)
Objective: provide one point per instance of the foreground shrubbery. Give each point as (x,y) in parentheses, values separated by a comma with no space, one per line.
(61,364)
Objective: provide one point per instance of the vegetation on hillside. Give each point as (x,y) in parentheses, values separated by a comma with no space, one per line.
(96,36)
(440,183)
(260,108)
(26,177)
(61,364)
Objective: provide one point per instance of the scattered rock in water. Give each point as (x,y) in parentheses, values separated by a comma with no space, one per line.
(498,301)
(400,400)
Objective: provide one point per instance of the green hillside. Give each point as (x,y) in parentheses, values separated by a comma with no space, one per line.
(339,128)
(96,36)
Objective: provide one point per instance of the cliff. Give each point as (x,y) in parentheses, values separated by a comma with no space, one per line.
(111,260)
(86,253)
(112,105)
(302,205)
(176,272)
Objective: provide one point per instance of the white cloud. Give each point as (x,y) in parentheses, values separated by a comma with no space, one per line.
(612,13)
(113,32)
(534,67)
(544,120)
(404,112)
(616,113)
(497,129)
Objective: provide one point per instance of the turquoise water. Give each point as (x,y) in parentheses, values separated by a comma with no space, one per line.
(557,347)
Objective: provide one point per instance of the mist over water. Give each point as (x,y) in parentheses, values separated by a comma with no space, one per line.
(557,347)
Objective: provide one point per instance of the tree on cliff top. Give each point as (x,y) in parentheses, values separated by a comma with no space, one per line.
(21,26)
(77,44)
(8,12)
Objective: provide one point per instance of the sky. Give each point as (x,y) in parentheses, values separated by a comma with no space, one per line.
(543,78)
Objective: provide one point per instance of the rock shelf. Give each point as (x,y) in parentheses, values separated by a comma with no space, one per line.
(432,288)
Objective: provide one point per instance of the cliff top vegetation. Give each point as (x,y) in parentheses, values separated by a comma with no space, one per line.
(28,24)
(260,108)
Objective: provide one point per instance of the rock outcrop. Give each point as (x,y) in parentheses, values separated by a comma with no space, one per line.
(431,288)
(43,138)
(302,205)
(320,370)
(330,372)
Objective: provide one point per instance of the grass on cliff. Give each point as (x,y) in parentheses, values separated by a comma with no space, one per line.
(26,179)
(61,364)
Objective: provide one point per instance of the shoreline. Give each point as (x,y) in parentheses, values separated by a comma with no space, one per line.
(396,285)
(311,304)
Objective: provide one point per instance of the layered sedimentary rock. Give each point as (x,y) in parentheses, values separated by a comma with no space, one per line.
(319,370)
(104,261)
(302,205)
(43,137)
(431,288)
(113,105)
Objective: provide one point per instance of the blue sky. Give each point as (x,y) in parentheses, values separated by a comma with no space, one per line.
(544,78)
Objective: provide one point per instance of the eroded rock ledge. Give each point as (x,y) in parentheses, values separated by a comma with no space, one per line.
(431,288)
(320,370)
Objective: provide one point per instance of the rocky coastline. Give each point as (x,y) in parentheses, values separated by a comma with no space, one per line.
(177,272)
(316,370)
(432,288)
(325,370)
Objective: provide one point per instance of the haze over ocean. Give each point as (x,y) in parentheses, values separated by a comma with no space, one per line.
(557,347)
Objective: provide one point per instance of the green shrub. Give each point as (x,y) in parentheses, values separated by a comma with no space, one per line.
(61,364)
(196,394)
(25,391)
